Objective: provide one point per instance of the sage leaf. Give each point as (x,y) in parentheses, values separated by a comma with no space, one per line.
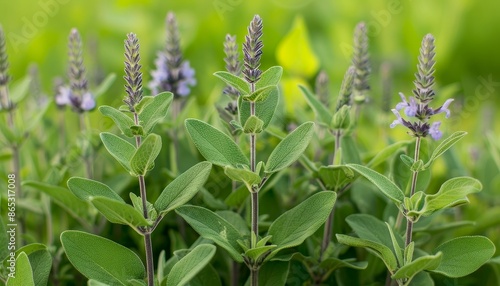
(119,212)
(101,259)
(214,145)
(23,274)
(183,188)
(155,111)
(119,148)
(143,159)
(386,186)
(85,189)
(290,148)
(122,120)
(235,81)
(190,265)
(212,226)
(323,115)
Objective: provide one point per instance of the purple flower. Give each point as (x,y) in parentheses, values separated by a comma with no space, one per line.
(176,80)
(410,108)
(434,131)
(444,108)
(65,97)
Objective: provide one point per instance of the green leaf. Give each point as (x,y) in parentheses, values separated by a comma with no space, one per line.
(386,153)
(101,259)
(183,188)
(295,225)
(422,279)
(329,265)
(452,193)
(143,159)
(261,94)
(214,145)
(273,273)
(386,186)
(121,119)
(23,275)
(290,148)
(427,262)
(155,111)
(235,81)
(381,251)
(464,255)
(93,282)
(323,115)
(264,110)
(41,264)
(62,197)
(85,189)
(295,53)
(271,76)
(190,265)
(335,177)
(445,145)
(28,249)
(237,197)
(248,177)
(20,89)
(371,228)
(119,212)
(257,252)
(350,150)
(253,125)
(145,101)
(212,226)
(119,148)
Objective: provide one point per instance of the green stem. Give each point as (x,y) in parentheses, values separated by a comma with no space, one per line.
(147,234)
(86,149)
(409,223)
(327,235)
(254,277)
(254,271)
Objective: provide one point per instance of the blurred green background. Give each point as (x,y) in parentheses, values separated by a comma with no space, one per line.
(466,34)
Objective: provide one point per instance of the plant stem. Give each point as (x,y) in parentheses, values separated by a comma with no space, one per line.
(409,223)
(147,234)
(254,277)
(327,235)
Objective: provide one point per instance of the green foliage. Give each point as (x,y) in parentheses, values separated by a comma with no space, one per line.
(86,189)
(24,274)
(464,255)
(120,149)
(212,226)
(101,259)
(386,186)
(295,225)
(290,148)
(122,121)
(154,111)
(215,146)
(183,188)
(119,212)
(143,159)
(190,265)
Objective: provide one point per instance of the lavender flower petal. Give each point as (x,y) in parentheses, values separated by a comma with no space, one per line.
(434,131)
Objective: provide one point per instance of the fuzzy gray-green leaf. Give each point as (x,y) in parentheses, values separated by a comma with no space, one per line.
(122,121)
(290,148)
(190,265)
(183,187)
(294,226)
(155,111)
(102,259)
(85,189)
(143,159)
(464,255)
(386,186)
(240,84)
(212,226)
(119,212)
(214,145)
(119,148)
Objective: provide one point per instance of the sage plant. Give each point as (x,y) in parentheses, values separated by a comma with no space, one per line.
(102,260)
(405,261)
(257,102)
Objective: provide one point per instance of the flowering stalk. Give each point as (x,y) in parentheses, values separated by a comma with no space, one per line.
(252,52)
(6,104)
(361,63)
(418,108)
(133,87)
(341,122)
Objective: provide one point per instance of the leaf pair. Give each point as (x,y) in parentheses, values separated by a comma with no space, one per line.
(288,230)
(221,150)
(114,208)
(137,161)
(150,111)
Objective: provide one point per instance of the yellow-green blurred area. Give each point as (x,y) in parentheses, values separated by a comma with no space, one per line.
(301,35)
